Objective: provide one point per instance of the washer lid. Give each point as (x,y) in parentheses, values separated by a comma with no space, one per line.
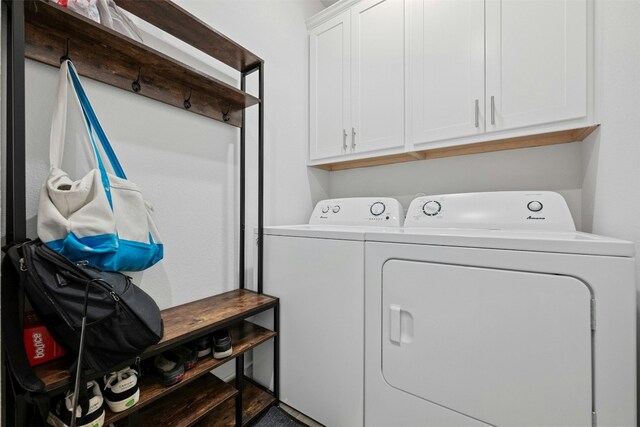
(522,240)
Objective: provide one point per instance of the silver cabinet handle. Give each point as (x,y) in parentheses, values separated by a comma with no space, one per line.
(477,113)
(344,139)
(493,110)
(353,138)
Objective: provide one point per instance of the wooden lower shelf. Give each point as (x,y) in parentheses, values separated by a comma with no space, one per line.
(528,141)
(255,402)
(186,406)
(182,323)
(245,335)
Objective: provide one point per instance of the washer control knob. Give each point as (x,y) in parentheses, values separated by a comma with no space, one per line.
(431,208)
(377,208)
(336,209)
(325,209)
(534,206)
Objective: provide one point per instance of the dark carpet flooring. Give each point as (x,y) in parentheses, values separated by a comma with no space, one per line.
(276,417)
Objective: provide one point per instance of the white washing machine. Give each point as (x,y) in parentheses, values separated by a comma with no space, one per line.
(317,271)
(488,309)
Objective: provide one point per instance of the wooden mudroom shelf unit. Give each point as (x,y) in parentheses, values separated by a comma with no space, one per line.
(43,31)
(185,323)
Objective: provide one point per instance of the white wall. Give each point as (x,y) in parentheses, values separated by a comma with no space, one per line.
(555,168)
(187,165)
(611,157)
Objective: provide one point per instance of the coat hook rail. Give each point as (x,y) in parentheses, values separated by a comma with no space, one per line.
(135,86)
(225,114)
(66,53)
(187,102)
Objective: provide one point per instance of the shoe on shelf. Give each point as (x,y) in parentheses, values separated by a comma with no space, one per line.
(188,354)
(169,368)
(121,389)
(202,346)
(60,413)
(222,344)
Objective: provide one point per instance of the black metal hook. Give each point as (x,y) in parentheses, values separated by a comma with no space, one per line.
(225,114)
(187,102)
(136,83)
(66,54)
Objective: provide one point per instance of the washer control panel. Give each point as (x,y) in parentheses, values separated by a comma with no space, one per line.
(363,211)
(528,210)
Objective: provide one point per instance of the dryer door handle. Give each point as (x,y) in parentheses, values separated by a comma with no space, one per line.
(395,324)
(400,325)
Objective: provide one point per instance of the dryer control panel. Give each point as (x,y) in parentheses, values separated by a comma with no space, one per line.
(363,211)
(501,210)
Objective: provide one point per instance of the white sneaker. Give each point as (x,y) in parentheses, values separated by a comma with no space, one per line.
(121,389)
(60,413)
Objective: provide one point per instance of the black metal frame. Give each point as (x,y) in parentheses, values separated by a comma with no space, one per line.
(15,181)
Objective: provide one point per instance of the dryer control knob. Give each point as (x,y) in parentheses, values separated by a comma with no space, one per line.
(325,209)
(336,209)
(431,208)
(377,208)
(534,206)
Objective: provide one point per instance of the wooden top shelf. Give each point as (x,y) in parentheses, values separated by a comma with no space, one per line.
(186,322)
(176,21)
(112,58)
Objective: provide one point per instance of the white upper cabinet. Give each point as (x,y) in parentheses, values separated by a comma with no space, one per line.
(396,79)
(377,75)
(446,69)
(536,62)
(330,78)
(479,67)
(357,80)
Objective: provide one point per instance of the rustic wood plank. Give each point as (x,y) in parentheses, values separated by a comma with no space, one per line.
(182,323)
(190,320)
(112,58)
(254,402)
(245,336)
(528,141)
(181,24)
(186,406)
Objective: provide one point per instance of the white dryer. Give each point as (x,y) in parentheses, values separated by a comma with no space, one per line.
(317,271)
(490,309)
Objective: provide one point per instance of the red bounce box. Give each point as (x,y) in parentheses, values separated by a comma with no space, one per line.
(38,342)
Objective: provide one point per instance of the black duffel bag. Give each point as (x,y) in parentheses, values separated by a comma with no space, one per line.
(121,319)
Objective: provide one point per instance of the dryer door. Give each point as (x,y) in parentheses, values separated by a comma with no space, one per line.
(504,347)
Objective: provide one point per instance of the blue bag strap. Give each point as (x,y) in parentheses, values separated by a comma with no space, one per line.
(104,177)
(103,171)
(95,123)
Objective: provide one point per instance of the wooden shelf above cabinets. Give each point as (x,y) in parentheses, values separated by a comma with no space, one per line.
(538,140)
(112,58)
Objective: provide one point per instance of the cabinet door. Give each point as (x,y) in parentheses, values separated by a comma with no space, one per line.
(536,62)
(446,69)
(329,80)
(377,33)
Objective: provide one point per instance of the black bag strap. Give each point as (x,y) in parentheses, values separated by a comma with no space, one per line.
(12,294)
(32,409)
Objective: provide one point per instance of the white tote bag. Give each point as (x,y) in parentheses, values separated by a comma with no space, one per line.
(102,217)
